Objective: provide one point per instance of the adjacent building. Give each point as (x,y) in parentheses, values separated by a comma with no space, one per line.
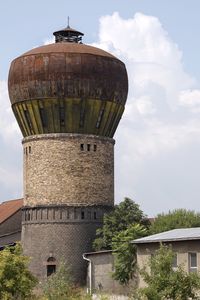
(10,222)
(185,243)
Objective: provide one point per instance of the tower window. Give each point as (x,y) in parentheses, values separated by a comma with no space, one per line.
(88,147)
(29,149)
(82,215)
(28,216)
(51,266)
(95,215)
(95,148)
(82,147)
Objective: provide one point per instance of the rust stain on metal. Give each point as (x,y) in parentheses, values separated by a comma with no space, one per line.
(67,70)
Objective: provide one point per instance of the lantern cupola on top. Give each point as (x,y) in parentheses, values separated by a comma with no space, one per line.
(68,87)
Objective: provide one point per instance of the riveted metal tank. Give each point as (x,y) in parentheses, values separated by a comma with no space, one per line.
(68,87)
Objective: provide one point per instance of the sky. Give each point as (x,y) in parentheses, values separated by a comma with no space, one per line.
(157,158)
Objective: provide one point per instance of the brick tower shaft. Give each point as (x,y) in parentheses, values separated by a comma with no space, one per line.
(68,99)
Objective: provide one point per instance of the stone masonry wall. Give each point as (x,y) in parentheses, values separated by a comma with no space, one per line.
(70,169)
(64,241)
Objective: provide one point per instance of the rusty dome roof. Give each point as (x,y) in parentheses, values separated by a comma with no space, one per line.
(68,86)
(69,48)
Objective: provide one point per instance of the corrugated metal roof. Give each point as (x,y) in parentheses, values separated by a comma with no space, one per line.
(180,234)
(8,208)
(99,252)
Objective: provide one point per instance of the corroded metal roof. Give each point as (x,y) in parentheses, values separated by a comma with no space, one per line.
(69,48)
(181,234)
(8,208)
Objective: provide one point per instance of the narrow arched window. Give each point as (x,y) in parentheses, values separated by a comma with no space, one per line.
(51,266)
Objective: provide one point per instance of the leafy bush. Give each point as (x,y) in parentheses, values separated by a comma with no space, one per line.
(59,286)
(16,281)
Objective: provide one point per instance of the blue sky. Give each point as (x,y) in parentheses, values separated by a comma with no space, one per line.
(158,141)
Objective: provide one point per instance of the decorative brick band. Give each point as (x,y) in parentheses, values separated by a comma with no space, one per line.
(55,136)
(63,214)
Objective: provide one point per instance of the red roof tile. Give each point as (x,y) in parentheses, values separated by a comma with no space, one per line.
(8,208)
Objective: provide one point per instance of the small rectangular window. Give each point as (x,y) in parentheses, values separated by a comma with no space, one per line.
(95,148)
(88,147)
(82,147)
(29,149)
(95,215)
(192,262)
(82,215)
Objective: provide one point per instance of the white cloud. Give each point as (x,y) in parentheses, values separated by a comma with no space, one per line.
(190,99)
(158,121)
(10,159)
(49,41)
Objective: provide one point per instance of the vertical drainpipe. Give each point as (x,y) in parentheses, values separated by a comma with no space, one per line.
(90,273)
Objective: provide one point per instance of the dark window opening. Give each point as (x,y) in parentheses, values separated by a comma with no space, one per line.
(95,148)
(51,269)
(47,214)
(26,151)
(29,149)
(61,214)
(82,147)
(43,117)
(95,215)
(51,266)
(62,115)
(54,214)
(28,216)
(88,147)
(82,215)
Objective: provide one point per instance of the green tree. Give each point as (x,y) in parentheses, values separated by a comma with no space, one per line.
(125,252)
(16,281)
(163,282)
(179,218)
(123,215)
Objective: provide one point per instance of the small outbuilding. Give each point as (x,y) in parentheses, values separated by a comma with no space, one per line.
(185,243)
(99,275)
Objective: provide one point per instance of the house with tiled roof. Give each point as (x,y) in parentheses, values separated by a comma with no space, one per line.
(10,222)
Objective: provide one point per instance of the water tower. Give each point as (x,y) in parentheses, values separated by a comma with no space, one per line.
(68,99)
